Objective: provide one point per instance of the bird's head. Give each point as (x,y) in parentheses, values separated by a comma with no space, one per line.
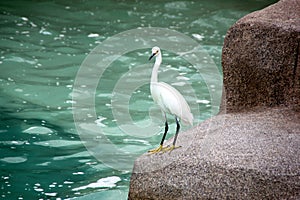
(155,52)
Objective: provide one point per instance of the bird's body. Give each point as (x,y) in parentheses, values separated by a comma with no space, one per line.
(171,101)
(168,99)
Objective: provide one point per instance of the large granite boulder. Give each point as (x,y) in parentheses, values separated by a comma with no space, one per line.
(261,63)
(251,150)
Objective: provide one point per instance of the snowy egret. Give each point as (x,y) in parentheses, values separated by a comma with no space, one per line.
(169,100)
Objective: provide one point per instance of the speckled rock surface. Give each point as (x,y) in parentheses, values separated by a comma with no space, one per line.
(260,58)
(251,150)
(224,158)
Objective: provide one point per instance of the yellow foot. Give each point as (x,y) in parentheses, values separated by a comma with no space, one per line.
(170,148)
(163,149)
(157,150)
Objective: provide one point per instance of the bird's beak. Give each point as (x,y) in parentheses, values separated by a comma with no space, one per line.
(152,56)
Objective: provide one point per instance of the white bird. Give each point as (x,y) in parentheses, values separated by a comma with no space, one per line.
(169,100)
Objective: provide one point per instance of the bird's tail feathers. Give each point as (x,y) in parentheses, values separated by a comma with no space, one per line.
(188,120)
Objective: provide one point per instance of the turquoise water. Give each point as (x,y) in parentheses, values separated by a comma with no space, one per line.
(44,43)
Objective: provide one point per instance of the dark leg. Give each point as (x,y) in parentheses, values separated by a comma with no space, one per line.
(177,131)
(165,133)
(175,138)
(160,148)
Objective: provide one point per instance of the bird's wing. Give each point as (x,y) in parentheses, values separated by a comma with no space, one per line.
(171,101)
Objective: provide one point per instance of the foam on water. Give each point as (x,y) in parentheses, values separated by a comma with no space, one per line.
(107,182)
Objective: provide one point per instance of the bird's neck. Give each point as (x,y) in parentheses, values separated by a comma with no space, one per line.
(154,76)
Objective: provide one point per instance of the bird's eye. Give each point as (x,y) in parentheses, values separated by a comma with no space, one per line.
(156,52)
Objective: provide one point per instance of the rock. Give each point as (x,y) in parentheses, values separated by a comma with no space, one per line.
(251,149)
(260,60)
(224,158)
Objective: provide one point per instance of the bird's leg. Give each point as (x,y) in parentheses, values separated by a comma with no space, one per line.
(175,137)
(160,148)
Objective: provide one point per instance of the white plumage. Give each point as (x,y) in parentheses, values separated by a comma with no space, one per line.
(169,100)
